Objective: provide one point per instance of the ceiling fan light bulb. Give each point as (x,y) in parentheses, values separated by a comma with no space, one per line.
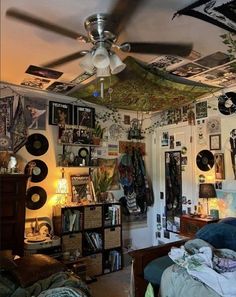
(116,64)
(103,72)
(101,58)
(87,63)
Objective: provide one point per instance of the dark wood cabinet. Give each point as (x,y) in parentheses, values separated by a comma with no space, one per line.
(189,225)
(12,212)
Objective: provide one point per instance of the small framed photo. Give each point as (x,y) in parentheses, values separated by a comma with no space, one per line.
(84,116)
(219,166)
(60,113)
(215,142)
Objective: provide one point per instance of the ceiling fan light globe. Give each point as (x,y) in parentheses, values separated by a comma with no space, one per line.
(101,58)
(87,63)
(116,64)
(103,72)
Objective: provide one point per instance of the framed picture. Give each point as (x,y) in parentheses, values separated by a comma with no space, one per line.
(60,113)
(84,116)
(219,166)
(80,187)
(215,142)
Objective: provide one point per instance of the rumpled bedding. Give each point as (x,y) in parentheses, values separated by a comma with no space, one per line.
(60,280)
(201,270)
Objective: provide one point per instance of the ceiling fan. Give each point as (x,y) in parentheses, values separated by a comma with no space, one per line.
(102,32)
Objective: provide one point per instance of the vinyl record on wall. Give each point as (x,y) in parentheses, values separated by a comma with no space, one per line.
(205,160)
(35,197)
(227,103)
(37,169)
(37,144)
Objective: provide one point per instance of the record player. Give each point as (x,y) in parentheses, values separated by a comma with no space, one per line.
(39,237)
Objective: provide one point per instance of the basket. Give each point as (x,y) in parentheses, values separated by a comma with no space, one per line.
(112,237)
(92,217)
(72,242)
(93,264)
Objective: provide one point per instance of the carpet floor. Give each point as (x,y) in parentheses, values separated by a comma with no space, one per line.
(114,284)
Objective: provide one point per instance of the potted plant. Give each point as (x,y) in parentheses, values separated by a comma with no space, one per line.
(97,133)
(102,182)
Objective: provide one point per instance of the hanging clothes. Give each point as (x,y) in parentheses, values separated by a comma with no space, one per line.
(138,194)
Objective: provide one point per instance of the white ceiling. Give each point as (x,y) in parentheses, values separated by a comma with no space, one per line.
(23,45)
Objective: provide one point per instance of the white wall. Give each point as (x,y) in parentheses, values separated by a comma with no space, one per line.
(190,176)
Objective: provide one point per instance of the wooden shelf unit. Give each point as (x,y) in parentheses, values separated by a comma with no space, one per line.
(95,231)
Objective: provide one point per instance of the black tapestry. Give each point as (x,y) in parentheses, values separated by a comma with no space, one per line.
(221,13)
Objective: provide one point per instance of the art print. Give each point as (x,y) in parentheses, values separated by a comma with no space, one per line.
(215,142)
(35,110)
(80,187)
(219,166)
(84,116)
(59,87)
(213,125)
(60,113)
(201,110)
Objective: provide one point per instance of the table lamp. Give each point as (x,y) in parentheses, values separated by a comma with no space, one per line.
(62,188)
(207,191)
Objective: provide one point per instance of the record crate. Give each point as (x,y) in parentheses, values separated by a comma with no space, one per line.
(112,237)
(92,216)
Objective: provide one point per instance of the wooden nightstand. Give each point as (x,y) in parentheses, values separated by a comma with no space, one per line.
(189,225)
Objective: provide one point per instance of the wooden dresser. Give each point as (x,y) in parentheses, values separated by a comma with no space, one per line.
(189,225)
(12,212)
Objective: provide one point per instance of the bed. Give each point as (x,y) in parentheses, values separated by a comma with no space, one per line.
(164,271)
(39,276)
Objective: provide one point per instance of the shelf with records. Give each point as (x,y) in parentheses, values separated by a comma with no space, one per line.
(92,229)
(76,155)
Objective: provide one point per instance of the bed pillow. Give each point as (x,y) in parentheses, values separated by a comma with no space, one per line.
(30,269)
(229,220)
(219,235)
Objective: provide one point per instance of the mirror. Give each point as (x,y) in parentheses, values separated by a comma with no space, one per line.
(173,185)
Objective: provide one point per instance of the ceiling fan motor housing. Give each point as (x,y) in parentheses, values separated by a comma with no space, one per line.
(98,31)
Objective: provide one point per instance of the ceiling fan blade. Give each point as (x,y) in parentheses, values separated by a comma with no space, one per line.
(120,14)
(31,19)
(65,59)
(158,48)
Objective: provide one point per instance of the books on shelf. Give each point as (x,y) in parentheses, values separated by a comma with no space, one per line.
(72,220)
(113,262)
(94,240)
(113,215)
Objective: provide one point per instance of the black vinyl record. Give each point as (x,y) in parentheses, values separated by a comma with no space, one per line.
(83,152)
(205,160)
(227,103)
(35,197)
(37,144)
(37,169)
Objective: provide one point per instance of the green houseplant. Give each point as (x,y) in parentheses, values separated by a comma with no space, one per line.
(98,132)
(102,182)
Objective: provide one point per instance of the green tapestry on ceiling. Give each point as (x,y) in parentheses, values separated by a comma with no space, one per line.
(142,89)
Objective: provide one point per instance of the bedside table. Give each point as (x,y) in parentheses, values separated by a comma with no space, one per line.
(189,225)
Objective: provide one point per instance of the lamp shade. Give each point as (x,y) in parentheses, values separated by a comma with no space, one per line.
(101,58)
(207,191)
(103,72)
(116,64)
(87,63)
